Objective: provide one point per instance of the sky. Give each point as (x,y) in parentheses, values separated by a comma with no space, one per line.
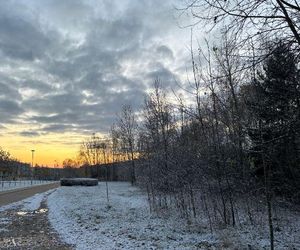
(67,67)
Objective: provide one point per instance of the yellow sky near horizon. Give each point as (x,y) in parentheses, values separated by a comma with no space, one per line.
(50,149)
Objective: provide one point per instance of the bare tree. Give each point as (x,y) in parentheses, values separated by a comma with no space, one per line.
(127,131)
(256,20)
(70,167)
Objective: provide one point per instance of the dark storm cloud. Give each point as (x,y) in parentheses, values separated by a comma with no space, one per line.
(71,65)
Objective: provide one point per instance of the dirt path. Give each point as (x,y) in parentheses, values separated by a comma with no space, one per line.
(11,196)
(29,230)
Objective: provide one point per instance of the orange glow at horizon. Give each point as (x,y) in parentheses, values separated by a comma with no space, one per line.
(50,149)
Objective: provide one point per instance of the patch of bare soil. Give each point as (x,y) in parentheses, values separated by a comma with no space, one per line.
(29,230)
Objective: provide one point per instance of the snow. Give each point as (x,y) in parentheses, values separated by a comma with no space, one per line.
(10,185)
(82,217)
(34,202)
(29,204)
(3,221)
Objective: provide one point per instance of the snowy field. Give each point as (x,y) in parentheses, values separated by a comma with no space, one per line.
(82,217)
(9,185)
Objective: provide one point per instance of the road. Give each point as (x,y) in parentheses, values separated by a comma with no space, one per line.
(15,195)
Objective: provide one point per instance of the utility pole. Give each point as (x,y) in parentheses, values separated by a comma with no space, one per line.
(32,155)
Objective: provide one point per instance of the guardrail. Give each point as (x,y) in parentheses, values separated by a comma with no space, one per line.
(8,185)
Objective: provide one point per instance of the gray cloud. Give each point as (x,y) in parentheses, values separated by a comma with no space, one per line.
(164,75)
(9,110)
(20,39)
(71,65)
(165,52)
(6,90)
(59,127)
(29,133)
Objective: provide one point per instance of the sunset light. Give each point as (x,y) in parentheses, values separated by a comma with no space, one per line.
(149,124)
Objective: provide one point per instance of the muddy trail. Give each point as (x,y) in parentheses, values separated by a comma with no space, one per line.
(21,229)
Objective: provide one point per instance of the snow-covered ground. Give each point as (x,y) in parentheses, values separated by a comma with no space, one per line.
(10,185)
(82,216)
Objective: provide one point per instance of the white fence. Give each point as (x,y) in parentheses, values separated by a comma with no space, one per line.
(9,185)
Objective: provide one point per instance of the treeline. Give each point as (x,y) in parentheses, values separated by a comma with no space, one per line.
(108,154)
(13,169)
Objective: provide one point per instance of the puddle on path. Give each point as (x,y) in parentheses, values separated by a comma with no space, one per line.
(24,228)
(22,213)
(40,211)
